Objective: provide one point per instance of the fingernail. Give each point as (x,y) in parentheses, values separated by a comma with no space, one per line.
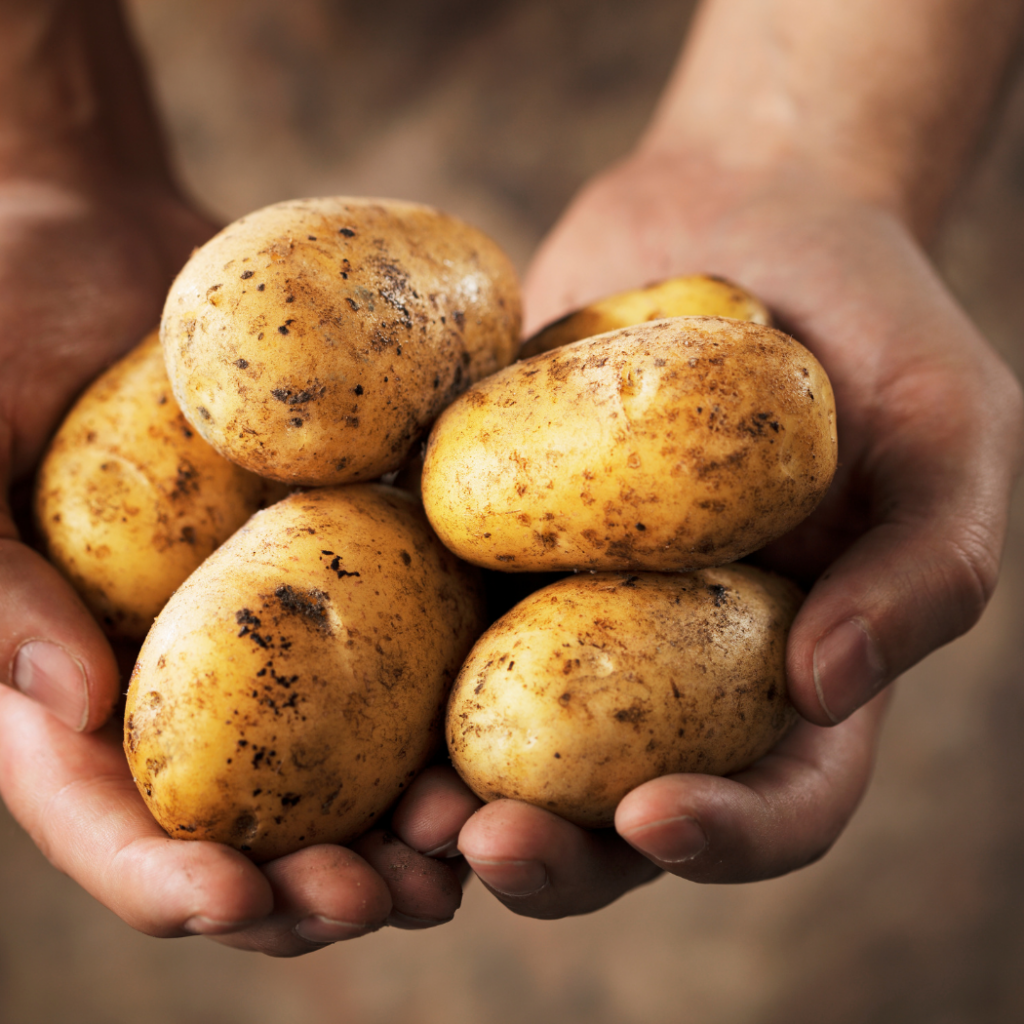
(848,669)
(445,850)
(200,925)
(511,877)
(50,676)
(671,841)
(399,920)
(322,930)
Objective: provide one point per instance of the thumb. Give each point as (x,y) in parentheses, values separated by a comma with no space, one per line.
(924,572)
(50,646)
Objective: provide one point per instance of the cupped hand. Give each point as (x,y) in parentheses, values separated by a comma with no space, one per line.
(900,558)
(83,274)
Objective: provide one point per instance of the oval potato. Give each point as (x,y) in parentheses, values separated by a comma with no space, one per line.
(676,444)
(601,682)
(130,500)
(690,295)
(295,684)
(315,341)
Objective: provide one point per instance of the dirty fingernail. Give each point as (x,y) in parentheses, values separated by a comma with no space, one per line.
(848,669)
(323,930)
(511,877)
(50,676)
(671,841)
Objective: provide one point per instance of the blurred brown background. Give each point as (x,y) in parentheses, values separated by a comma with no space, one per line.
(497,111)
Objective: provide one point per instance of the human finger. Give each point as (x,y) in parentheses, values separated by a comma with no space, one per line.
(938,478)
(780,814)
(424,891)
(540,865)
(322,894)
(51,648)
(74,795)
(431,814)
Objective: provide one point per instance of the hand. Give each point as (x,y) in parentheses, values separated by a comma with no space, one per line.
(83,274)
(900,558)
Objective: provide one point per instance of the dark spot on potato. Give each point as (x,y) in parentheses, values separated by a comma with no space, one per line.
(203,412)
(634,714)
(558,755)
(347,232)
(640,526)
(311,605)
(290,397)
(717,592)
(406,558)
(242,364)
(336,567)
(353,304)
(290,799)
(246,274)
(358,389)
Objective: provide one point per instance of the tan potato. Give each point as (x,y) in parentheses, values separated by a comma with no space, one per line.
(130,500)
(315,341)
(676,444)
(295,684)
(601,682)
(692,295)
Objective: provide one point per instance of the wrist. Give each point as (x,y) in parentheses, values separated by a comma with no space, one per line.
(732,165)
(884,103)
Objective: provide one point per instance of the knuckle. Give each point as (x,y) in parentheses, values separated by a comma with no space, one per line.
(969,571)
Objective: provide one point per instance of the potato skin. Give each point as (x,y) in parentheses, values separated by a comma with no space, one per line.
(601,682)
(130,500)
(690,295)
(676,444)
(315,341)
(296,682)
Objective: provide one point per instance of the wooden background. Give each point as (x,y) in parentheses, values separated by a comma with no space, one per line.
(498,111)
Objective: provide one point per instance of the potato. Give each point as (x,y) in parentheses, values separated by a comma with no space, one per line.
(601,682)
(676,444)
(129,500)
(692,295)
(315,341)
(295,684)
